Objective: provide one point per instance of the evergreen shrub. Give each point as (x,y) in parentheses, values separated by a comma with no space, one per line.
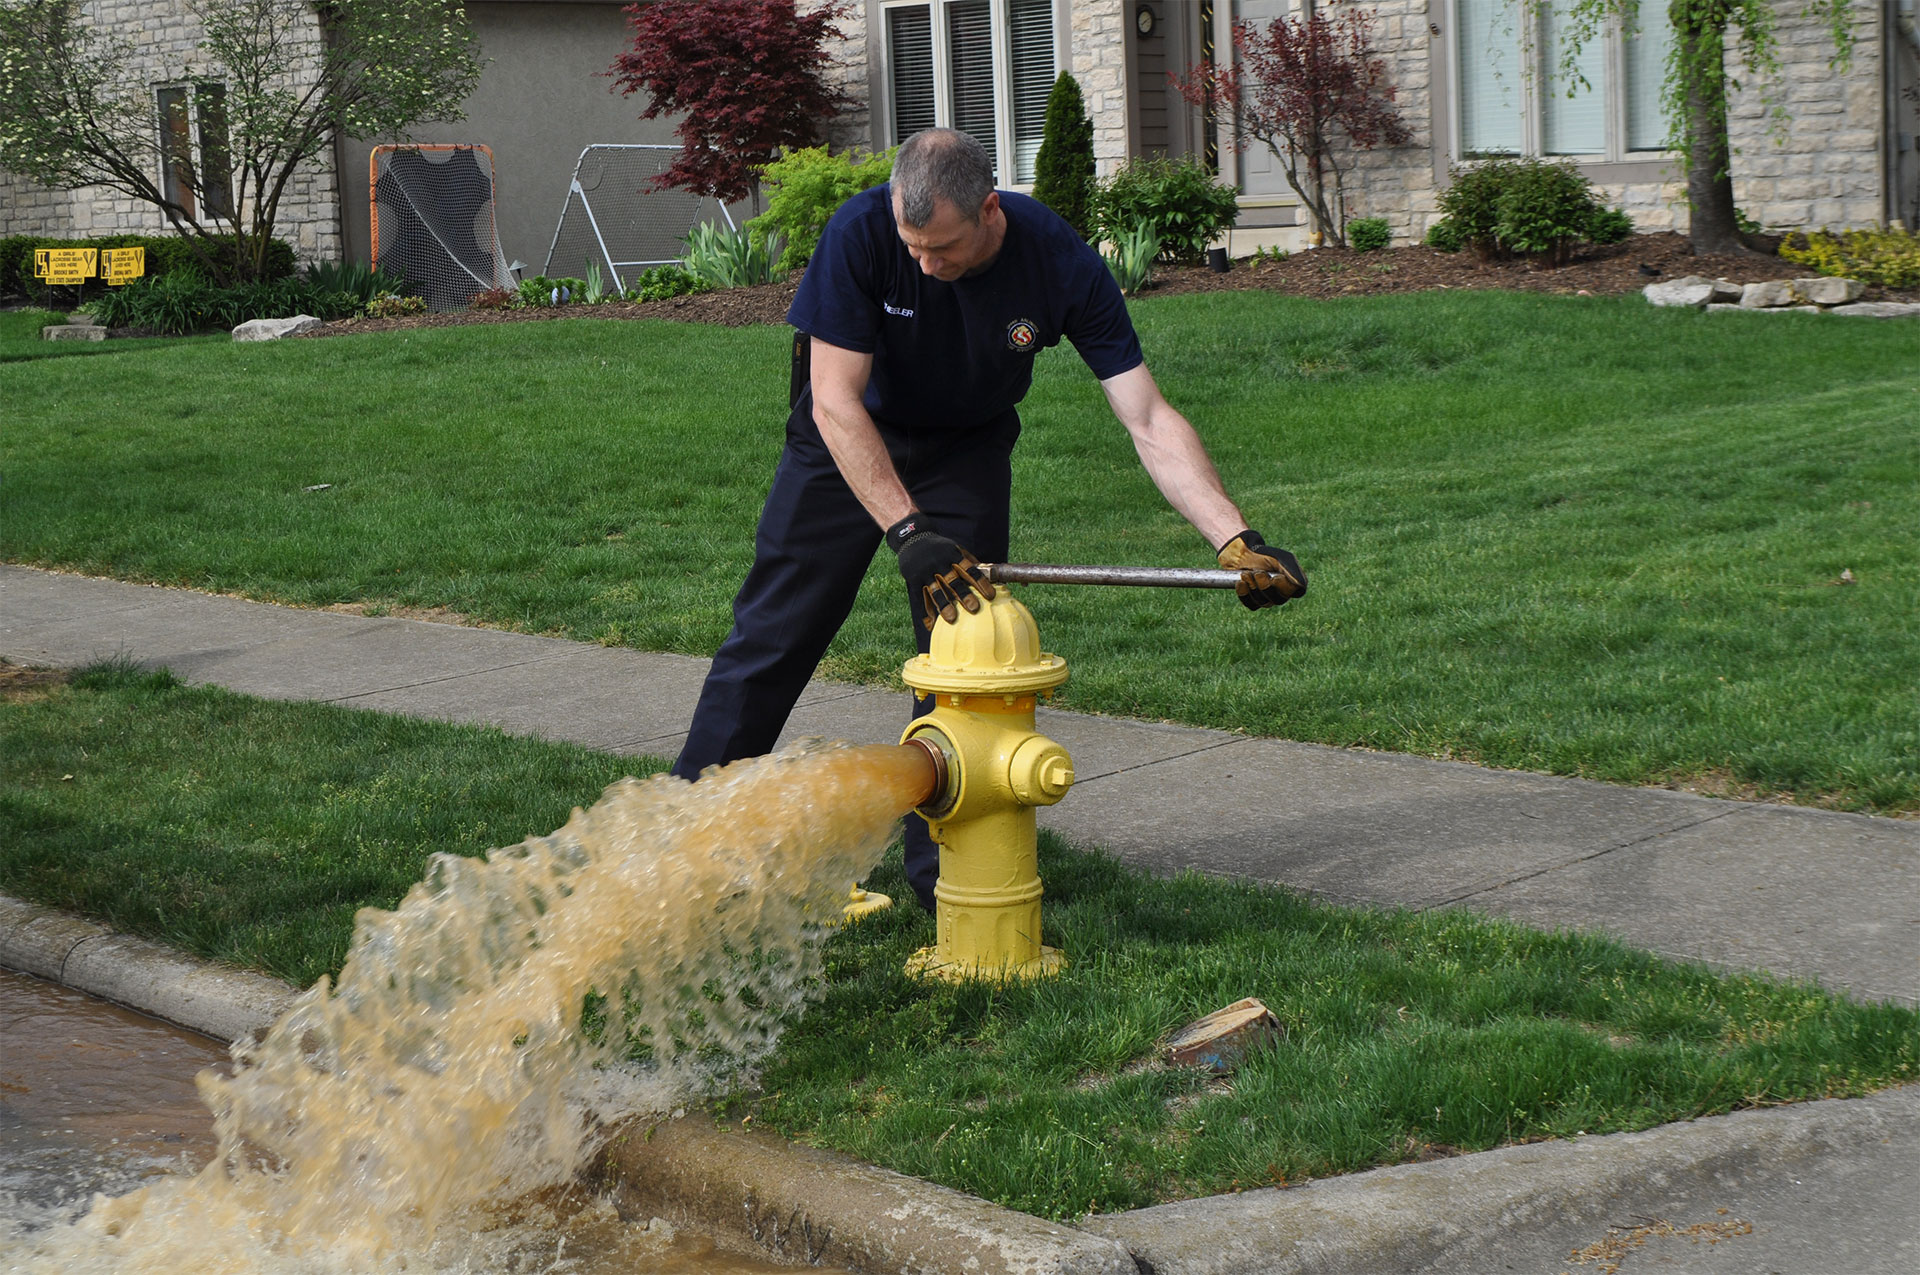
(1063,170)
(1890,257)
(1369,234)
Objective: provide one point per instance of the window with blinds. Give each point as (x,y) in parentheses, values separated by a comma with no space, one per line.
(984,67)
(910,62)
(1516,94)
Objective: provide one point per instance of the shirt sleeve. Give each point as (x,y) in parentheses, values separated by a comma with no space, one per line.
(1100,327)
(837,300)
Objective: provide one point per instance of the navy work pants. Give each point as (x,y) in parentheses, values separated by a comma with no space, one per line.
(811,550)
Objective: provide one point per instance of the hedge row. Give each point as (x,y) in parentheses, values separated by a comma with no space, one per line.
(165,253)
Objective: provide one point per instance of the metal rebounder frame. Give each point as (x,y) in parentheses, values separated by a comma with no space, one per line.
(442,232)
(611,220)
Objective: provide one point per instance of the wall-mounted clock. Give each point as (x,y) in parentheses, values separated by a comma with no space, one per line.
(1143,19)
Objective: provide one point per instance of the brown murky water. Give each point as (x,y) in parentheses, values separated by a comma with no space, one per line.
(432,1110)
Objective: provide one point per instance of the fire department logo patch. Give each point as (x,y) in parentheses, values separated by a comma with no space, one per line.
(1022,335)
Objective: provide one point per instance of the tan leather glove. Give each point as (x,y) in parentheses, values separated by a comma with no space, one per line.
(1268,576)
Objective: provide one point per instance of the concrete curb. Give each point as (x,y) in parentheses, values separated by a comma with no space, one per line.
(227,1004)
(1455,1214)
(805,1205)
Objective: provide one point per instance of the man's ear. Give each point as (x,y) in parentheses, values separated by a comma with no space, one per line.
(989,206)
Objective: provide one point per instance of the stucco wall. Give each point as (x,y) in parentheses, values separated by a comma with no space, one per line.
(542,98)
(165,37)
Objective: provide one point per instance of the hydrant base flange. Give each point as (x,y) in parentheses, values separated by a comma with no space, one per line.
(928,963)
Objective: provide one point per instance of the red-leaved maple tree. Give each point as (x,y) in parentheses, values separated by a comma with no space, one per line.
(749,75)
(1305,87)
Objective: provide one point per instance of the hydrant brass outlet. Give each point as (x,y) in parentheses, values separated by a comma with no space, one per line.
(984,670)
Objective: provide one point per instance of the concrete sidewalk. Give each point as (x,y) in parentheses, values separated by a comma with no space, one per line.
(1833,897)
(1825,1187)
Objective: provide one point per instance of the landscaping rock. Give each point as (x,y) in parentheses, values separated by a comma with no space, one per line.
(274,329)
(1691,290)
(1724,291)
(1879,310)
(1768,295)
(73,332)
(1825,291)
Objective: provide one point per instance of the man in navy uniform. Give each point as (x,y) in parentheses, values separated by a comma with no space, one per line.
(924,306)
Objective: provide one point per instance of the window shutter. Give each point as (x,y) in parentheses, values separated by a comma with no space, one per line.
(910,66)
(1575,114)
(1491,89)
(1032,46)
(1646,71)
(970,49)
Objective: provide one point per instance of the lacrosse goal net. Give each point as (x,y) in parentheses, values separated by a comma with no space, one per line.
(432,219)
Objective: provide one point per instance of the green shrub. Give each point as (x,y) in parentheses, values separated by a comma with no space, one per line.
(1445,236)
(1369,234)
(389,305)
(182,301)
(1890,257)
(1180,199)
(1063,170)
(1609,225)
(165,255)
(732,258)
(804,189)
(1545,209)
(1471,204)
(1131,261)
(358,280)
(563,290)
(660,283)
(1528,207)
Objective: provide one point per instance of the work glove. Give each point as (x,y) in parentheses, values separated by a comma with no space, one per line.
(1268,576)
(940,570)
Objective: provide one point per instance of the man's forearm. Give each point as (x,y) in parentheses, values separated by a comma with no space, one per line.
(855,443)
(1180,467)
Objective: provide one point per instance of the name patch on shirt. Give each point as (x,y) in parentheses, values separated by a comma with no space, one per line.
(891,308)
(1021,335)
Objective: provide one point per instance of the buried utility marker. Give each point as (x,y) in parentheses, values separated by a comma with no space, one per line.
(1220,1040)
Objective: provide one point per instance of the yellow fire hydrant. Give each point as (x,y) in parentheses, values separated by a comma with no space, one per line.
(985,669)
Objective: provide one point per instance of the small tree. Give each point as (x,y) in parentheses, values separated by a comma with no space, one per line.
(749,75)
(75,112)
(1063,170)
(1695,93)
(1303,87)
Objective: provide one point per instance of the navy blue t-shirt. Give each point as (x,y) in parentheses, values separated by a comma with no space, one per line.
(956,355)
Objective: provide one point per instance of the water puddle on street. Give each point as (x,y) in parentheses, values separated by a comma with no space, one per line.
(434,1109)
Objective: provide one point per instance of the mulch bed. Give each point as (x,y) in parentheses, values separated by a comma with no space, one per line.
(1323,273)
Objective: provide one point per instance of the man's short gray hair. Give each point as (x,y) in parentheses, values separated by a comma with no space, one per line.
(941,163)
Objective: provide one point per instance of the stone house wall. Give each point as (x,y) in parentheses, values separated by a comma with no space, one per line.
(1821,169)
(166,36)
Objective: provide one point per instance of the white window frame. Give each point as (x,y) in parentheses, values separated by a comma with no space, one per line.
(1537,58)
(1001,25)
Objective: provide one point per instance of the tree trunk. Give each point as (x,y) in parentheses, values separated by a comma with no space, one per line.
(1712,227)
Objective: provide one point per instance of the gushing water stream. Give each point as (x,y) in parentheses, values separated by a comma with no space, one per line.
(450,1079)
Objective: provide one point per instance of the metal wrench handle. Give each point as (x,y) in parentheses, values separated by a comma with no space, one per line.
(1152,577)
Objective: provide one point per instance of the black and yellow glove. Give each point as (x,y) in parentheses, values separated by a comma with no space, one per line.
(1268,576)
(937,568)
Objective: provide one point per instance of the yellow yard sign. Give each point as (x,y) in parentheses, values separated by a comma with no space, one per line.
(117,265)
(65,265)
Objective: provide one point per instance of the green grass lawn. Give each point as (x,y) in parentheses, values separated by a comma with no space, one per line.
(249,831)
(1579,536)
